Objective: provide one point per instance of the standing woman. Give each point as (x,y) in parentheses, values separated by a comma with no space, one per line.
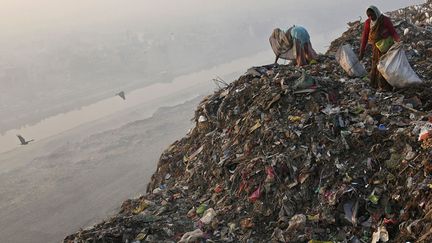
(297,40)
(380,33)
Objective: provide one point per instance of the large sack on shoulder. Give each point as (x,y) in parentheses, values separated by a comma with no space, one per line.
(349,62)
(395,68)
(279,44)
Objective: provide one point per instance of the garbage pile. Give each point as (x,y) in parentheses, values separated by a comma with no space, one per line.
(287,154)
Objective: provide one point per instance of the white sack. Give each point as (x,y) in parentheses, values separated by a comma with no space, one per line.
(395,68)
(349,62)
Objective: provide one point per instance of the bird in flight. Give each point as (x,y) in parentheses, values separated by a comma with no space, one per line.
(122,95)
(22,140)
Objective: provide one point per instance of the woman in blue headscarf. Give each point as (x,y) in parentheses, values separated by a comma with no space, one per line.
(296,39)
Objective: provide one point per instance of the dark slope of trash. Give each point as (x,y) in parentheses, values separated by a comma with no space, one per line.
(296,155)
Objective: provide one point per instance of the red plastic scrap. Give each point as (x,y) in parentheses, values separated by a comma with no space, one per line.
(390,221)
(270,173)
(424,135)
(255,195)
(218,189)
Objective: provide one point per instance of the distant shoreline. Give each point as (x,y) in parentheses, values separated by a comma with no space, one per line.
(177,91)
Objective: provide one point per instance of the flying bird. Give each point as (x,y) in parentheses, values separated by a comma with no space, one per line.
(122,95)
(22,140)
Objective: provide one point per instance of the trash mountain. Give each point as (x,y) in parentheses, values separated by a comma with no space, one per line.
(297,155)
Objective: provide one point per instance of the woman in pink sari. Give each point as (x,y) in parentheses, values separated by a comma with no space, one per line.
(377,27)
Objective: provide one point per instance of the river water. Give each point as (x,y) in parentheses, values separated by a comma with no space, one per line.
(169,93)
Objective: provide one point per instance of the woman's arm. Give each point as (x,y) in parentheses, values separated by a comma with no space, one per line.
(391,29)
(365,37)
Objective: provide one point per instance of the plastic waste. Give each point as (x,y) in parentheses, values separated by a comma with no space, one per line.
(191,213)
(201,209)
(208,216)
(351,210)
(373,198)
(141,207)
(313,61)
(202,119)
(425,133)
(192,236)
(381,235)
(218,189)
(298,221)
(305,82)
(294,118)
(270,175)
(382,127)
(157,190)
(348,60)
(255,195)
(395,68)
(384,44)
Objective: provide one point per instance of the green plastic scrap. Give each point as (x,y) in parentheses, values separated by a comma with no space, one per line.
(373,198)
(201,209)
(305,82)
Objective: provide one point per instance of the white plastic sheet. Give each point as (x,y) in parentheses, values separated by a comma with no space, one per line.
(395,68)
(348,60)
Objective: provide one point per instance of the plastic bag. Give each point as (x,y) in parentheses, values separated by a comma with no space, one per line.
(395,68)
(192,236)
(385,44)
(208,216)
(349,62)
(255,195)
(305,82)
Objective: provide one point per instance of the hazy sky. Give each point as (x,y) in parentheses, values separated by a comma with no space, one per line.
(24,16)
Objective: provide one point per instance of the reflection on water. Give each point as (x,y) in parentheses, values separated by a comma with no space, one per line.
(188,86)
